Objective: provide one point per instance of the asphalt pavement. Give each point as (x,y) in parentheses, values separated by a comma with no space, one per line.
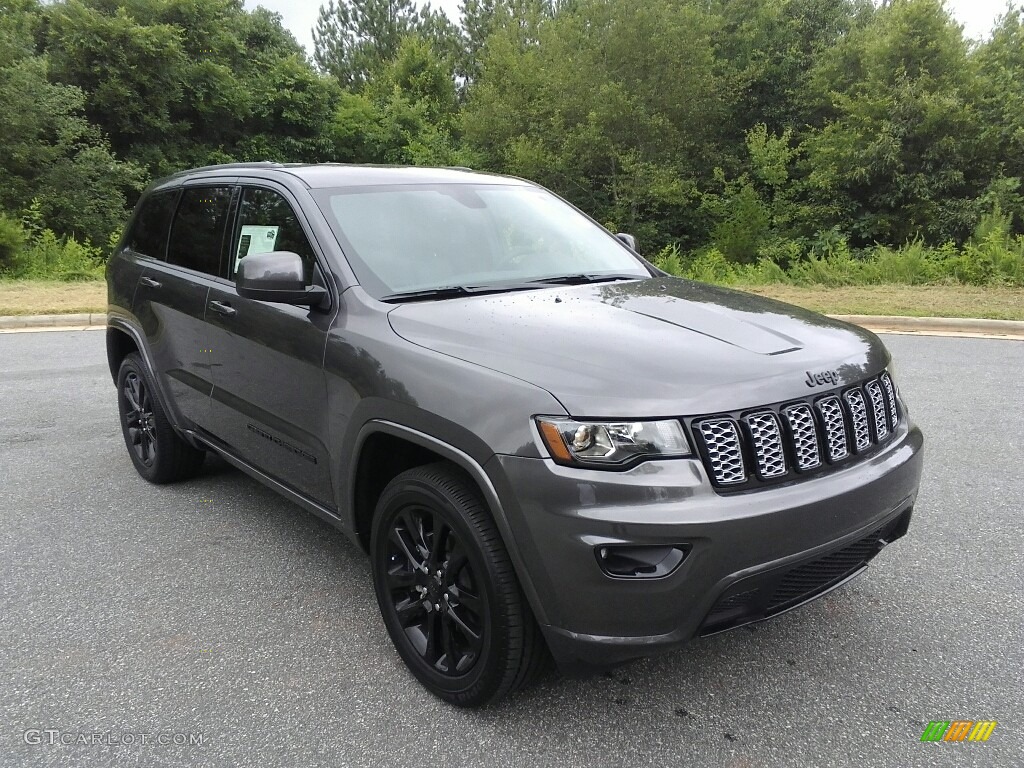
(212,623)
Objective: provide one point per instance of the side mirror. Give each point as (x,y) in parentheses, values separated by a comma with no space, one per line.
(627,240)
(276,276)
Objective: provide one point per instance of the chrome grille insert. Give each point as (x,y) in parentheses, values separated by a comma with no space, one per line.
(859,416)
(742,451)
(766,436)
(890,397)
(722,440)
(804,435)
(878,408)
(831,412)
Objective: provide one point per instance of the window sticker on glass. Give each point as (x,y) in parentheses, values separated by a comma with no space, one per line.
(255,239)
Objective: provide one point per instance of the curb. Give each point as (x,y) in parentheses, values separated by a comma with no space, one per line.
(938,326)
(53,321)
(935,326)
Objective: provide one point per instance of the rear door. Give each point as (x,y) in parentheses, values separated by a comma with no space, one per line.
(270,396)
(170,302)
(144,243)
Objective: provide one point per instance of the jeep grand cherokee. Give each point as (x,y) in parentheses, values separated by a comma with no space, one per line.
(545,444)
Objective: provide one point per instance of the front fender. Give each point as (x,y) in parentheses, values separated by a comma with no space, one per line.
(372,374)
(477,471)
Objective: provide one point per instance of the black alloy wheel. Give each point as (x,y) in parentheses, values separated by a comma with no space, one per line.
(139,418)
(434,591)
(159,454)
(447,591)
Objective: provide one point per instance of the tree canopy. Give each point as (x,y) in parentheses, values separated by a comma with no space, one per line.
(764,128)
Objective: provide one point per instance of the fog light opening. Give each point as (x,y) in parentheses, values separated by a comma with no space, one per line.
(640,562)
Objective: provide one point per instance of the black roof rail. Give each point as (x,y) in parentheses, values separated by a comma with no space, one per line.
(228,167)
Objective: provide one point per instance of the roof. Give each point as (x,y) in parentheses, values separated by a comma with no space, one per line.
(317,176)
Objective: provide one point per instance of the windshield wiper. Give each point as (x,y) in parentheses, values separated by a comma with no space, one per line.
(457,291)
(452,292)
(583,279)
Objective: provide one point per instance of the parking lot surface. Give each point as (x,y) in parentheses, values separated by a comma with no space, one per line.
(215,612)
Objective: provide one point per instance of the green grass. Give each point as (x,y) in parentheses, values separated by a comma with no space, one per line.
(50,297)
(990,302)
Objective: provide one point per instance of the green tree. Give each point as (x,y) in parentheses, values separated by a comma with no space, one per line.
(1001,108)
(613,104)
(756,214)
(766,48)
(132,73)
(178,83)
(50,152)
(405,115)
(354,39)
(481,18)
(897,155)
(418,75)
(446,41)
(292,106)
(761,127)
(54,155)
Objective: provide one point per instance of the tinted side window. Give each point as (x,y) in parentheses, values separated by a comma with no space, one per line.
(197,234)
(148,235)
(266,222)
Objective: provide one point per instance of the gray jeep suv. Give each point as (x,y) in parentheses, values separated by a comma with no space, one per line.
(546,445)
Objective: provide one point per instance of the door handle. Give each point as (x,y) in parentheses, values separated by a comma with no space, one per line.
(222,307)
(149,282)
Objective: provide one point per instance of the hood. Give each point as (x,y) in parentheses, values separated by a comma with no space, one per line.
(647,348)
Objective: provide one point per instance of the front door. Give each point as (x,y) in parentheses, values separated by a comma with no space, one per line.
(270,397)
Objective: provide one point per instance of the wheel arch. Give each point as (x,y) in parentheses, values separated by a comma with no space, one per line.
(422,448)
(123,338)
(120,344)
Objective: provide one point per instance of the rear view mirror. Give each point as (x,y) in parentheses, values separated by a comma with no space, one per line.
(276,276)
(627,240)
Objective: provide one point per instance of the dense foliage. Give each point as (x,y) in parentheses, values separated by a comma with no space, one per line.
(740,139)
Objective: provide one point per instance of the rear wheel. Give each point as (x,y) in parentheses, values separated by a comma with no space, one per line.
(156,450)
(446,589)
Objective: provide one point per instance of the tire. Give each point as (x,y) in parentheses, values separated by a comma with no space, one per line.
(442,578)
(156,450)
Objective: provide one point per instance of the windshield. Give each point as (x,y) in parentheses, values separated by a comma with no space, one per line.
(412,238)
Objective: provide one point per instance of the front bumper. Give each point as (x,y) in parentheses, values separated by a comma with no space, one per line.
(751,555)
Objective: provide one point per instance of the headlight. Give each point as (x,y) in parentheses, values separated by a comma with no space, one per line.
(612,443)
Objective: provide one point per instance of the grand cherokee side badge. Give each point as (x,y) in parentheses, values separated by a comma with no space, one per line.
(823,377)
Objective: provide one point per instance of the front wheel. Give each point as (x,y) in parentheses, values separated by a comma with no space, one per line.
(447,591)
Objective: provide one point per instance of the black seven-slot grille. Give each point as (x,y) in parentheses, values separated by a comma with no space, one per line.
(775,443)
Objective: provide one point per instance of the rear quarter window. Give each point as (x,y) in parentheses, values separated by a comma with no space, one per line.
(148,233)
(197,235)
